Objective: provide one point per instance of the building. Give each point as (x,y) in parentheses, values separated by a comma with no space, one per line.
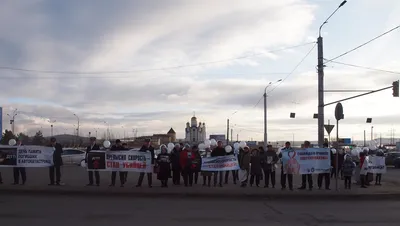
(219,137)
(195,133)
(157,139)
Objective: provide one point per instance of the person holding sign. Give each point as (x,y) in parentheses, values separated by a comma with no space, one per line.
(91,147)
(269,159)
(186,159)
(57,161)
(218,151)
(244,158)
(306,177)
(163,164)
(117,147)
(147,148)
(19,170)
(287,149)
(325,176)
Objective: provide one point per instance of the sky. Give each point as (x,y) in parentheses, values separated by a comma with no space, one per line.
(150,65)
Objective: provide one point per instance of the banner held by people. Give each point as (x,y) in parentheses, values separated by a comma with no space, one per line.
(306,161)
(127,161)
(26,156)
(376,164)
(220,163)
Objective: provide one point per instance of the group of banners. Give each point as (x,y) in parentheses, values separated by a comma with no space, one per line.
(299,161)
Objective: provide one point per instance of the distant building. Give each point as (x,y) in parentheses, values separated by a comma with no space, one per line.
(195,133)
(157,139)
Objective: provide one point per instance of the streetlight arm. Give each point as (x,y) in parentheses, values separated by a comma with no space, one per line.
(326,21)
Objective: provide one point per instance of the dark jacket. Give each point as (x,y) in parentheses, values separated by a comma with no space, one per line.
(58,150)
(218,151)
(90,148)
(268,160)
(175,159)
(244,160)
(348,167)
(116,148)
(164,164)
(256,168)
(151,149)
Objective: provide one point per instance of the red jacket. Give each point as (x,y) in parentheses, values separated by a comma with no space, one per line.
(185,158)
(362,159)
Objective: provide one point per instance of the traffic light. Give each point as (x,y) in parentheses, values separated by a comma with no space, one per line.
(395,88)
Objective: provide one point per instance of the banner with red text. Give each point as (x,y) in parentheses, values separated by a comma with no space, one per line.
(129,161)
(306,161)
(220,163)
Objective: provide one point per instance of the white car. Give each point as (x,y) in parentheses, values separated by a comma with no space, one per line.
(73,157)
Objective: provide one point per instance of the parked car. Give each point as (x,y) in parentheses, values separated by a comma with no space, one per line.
(393,159)
(73,156)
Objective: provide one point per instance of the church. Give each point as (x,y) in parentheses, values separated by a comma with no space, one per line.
(195,133)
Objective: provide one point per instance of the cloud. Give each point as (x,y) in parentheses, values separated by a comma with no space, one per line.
(147,41)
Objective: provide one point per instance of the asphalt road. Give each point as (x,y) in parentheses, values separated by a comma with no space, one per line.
(68,211)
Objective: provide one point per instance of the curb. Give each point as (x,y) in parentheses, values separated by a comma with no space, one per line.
(295,196)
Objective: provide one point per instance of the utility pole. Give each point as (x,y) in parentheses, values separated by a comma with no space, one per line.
(265,113)
(12,120)
(227,131)
(380,140)
(321,80)
(231,135)
(372,133)
(365,141)
(237,137)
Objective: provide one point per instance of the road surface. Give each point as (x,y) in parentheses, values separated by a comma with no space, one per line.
(71,211)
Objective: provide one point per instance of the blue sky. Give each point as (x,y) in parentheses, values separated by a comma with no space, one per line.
(104,36)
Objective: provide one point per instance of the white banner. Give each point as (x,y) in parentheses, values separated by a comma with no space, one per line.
(376,164)
(26,156)
(131,161)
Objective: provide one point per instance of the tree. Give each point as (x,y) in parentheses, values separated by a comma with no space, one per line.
(23,138)
(38,139)
(7,135)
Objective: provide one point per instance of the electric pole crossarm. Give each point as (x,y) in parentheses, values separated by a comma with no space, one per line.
(346,91)
(364,94)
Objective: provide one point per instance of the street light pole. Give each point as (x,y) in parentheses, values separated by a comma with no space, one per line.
(321,79)
(77,130)
(265,113)
(12,120)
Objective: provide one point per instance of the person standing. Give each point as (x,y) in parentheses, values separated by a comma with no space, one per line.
(92,147)
(19,170)
(244,164)
(147,148)
(163,164)
(255,168)
(326,176)
(284,174)
(269,159)
(306,177)
(176,167)
(218,151)
(196,164)
(233,171)
(117,147)
(57,162)
(348,168)
(207,174)
(186,159)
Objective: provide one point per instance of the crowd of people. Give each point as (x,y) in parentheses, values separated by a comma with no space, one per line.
(184,163)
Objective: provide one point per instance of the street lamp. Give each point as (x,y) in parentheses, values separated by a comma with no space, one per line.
(12,119)
(51,125)
(108,129)
(95,129)
(265,112)
(77,130)
(321,79)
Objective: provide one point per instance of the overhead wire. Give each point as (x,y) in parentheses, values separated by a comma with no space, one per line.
(147,70)
(364,44)
(367,68)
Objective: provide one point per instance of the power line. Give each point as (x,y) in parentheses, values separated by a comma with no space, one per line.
(146,70)
(295,68)
(368,68)
(366,43)
(127,76)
